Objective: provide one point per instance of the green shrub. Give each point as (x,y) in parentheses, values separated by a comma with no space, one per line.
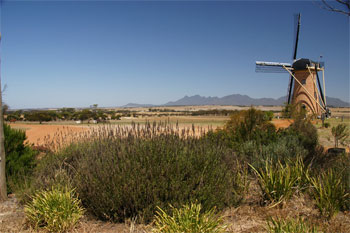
(269,115)
(306,133)
(277,182)
(326,124)
(188,219)
(329,192)
(56,210)
(123,173)
(250,125)
(286,148)
(20,158)
(300,225)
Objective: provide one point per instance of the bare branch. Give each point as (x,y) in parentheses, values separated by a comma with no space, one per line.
(330,7)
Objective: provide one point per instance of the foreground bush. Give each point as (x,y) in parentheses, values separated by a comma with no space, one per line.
(125,173)
(20,158)
(277,225)
(188,219)
(56,210)
(329,192)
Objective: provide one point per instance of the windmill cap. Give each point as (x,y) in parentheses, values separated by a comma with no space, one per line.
(303,63)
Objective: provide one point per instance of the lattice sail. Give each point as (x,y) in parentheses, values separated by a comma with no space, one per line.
(271,67)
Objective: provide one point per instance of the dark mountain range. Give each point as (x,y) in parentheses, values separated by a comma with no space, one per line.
(243,100)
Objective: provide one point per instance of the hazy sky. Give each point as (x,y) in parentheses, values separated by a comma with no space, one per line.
(78,53)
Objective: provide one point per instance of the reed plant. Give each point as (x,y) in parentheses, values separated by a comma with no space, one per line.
(188,219)
(55,210)
(329,192)
(291,225)
(277,182)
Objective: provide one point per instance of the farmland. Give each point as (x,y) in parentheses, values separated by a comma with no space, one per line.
(183,116)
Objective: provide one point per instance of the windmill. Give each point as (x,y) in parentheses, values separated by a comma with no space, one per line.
(304,83)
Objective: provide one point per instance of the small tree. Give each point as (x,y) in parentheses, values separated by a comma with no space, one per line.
(3,186)
(340,134)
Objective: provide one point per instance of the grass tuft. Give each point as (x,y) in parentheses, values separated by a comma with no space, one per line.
(329,192)
(56,210)
(188,219)
(300,225)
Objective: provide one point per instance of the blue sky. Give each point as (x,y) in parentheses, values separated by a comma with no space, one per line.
(78,53)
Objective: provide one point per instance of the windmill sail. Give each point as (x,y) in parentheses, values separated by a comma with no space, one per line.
(271,67)
(294,57)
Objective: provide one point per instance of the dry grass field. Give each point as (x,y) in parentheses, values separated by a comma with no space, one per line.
(40,134)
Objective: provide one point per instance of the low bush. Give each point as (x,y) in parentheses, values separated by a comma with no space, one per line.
(300,225)
(188,219)
(329,192)
(56,210)
(286,148)
(127,173)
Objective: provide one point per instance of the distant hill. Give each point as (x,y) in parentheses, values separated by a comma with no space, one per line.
(134,105)
(335,102)
(243,100)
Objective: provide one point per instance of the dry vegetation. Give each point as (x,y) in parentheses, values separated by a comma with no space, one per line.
(249,216)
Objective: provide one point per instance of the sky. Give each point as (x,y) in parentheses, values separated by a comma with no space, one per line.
(78,53)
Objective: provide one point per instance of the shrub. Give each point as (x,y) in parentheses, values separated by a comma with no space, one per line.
(286,148)
(276,182)
(250,125)
(327,125)
(20,158)
(188,219)
(123,173)
(329,192)
(307,135)
(300,225)
(269,115)
(56,210)
(340,134)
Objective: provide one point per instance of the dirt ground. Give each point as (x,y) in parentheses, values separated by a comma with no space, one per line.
(250,216)
(41,134)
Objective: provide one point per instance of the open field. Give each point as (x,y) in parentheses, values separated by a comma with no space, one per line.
(40,134)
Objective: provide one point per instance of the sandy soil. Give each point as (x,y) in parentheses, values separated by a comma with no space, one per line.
(282,123)
(41,134)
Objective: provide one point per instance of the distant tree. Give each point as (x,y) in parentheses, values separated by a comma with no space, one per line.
(40,116)
(85,114)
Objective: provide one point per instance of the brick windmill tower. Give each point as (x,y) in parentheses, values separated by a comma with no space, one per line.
(304,85)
